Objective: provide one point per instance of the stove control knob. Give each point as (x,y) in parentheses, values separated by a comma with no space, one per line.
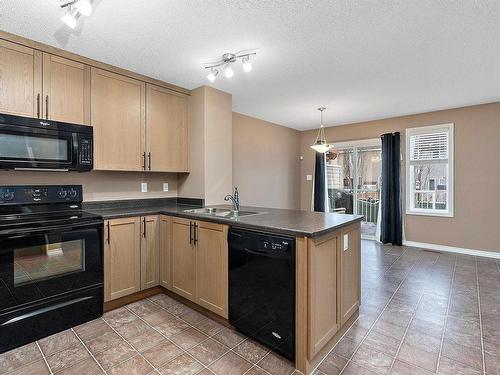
(62,194)
(72,193)
(8,195)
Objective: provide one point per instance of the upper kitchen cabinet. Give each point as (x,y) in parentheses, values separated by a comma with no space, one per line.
(66,90)
(118,107)
(20,80)
(167,141)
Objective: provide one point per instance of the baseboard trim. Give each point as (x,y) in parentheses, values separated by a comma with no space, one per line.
(452,249)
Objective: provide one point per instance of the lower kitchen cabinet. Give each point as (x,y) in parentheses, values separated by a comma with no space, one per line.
(212,267)
(150,252)
(334,288)
(323,273)
(165,251)
(131,255)
(183,258)
(350,272)
(197,256)
(122,257)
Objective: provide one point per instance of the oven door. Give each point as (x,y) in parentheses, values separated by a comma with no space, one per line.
(46,263)
(30,147)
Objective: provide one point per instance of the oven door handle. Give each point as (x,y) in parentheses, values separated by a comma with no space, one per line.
(52,229)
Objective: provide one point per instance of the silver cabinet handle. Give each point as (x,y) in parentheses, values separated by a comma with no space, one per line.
(46,107)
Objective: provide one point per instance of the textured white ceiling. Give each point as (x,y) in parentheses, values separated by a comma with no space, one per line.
(362,59)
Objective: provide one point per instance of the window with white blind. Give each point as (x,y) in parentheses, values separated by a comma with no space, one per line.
(429,158)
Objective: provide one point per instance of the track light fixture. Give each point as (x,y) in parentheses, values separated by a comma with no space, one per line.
(75,9)
(226,61)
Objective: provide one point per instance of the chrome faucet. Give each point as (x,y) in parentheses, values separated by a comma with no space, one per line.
(235,198)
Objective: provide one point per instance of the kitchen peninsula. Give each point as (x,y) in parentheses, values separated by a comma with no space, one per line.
(327,262)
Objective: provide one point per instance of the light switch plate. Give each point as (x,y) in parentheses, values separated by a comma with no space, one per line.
(165,186)
(144,187)
(309,177)
(346,242)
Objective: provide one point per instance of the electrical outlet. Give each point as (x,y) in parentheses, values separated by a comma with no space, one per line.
(346,242)
(165,186)
(309,177)
(144,187)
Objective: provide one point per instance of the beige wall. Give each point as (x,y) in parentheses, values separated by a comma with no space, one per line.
(218,146)
(265,163)
(211,146)
(476,222)
(99,185)
(192,184)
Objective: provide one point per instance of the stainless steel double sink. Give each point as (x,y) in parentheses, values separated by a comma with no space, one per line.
(222,212)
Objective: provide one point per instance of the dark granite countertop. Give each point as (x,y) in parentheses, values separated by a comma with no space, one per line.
(288,222)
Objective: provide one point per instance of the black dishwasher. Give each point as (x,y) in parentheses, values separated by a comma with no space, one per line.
(262,288)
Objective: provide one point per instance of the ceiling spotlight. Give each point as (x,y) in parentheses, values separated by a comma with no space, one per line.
(74,9)
(84,7)
(212,75)
(246,64)
(70,18)
(226,60)
(228,72)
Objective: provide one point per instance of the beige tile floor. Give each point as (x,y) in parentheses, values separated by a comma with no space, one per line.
(422,313)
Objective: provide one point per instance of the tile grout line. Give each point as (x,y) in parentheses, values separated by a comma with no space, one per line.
(43,356)
(88,350)
(124,339)
(447,312)
(167,338)
(406,331)
(378,317)
(229,349)
(185,351)
(480,318)
(341,337)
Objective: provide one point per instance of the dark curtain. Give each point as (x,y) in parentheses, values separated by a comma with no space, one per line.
(319,182)
(391,226)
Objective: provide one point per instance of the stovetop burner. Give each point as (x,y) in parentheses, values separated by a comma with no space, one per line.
(24,207)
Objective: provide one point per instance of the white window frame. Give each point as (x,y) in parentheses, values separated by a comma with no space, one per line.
(410,210)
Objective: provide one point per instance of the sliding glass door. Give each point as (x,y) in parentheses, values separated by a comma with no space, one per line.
(354,175)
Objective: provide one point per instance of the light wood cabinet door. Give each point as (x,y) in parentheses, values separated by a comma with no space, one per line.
(150,252)
(212,267)
(20,80)
(166,251)
(166,130)
(183,258)
(122,257)
(118,105)
(350,272)
(323,290)
(66,90)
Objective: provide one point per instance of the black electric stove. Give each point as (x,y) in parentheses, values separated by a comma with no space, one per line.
(51,262)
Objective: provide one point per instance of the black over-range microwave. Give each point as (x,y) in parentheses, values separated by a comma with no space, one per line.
(31,143)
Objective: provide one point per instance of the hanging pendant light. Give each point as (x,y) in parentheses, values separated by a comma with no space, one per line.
(321,145)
